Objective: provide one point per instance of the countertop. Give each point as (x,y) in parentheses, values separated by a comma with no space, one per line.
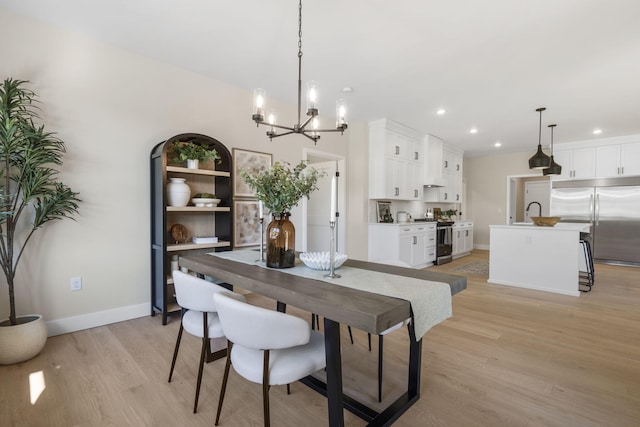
(561,226)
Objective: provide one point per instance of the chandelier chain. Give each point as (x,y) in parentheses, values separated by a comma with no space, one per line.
(300,28)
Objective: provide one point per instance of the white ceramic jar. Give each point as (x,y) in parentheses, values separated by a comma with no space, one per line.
(178,192)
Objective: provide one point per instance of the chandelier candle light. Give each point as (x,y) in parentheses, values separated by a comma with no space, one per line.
(332,225)
(261,219)
(259,101)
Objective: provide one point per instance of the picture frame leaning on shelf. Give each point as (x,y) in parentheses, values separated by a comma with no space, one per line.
(246,221)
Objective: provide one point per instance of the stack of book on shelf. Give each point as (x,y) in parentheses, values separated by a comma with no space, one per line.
(205,239)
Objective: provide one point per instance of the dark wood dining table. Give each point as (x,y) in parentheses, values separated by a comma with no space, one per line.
(367,311)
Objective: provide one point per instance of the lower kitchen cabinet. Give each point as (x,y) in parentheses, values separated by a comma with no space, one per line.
(462,238)
(409,244)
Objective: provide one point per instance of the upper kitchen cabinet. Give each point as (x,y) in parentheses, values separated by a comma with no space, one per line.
(452,161)
(450,189)
(618,160)
(396,161)
(576,162)
(433,162)
(599,158)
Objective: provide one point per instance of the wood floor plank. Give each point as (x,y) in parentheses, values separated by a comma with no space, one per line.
(507,357)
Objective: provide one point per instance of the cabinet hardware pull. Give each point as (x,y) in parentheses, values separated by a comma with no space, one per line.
(397,191)
(397,149)
(415,193)
(622,170)
(416,155)
(446,164)
(415,240)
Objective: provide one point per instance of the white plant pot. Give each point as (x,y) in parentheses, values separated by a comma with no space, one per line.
(22,342)
(178,192)
(193,164)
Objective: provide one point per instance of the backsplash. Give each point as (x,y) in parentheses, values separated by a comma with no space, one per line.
(416,209)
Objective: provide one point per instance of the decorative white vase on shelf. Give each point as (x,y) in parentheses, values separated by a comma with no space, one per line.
(192,164)
(178,192)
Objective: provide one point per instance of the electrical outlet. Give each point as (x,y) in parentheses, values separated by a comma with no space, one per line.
(76,283)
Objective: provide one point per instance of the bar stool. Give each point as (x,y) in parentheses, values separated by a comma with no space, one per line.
(585,264)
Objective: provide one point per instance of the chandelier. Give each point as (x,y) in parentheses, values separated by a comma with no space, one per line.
(309,127)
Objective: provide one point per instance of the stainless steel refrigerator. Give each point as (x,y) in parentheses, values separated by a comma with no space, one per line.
(612,206)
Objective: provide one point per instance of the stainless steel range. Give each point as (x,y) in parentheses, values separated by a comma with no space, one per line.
(444,238)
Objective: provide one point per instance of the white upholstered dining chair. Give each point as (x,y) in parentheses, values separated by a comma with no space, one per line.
(199,317)
(267,347)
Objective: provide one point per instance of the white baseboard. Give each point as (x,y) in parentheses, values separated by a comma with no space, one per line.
(482,247)
(99,318)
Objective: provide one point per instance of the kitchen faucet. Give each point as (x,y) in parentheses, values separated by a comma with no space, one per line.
(539,207)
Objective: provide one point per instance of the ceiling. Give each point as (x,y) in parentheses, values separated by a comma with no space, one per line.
(489,63)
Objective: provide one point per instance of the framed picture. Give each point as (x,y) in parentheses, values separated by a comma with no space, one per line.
(247,223)
(384,209)
(253,162)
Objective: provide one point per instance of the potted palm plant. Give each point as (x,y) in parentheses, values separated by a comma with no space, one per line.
(30,196)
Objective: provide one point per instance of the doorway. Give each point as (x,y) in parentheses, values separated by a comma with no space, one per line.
(316,211)
(537,196)
(517,200)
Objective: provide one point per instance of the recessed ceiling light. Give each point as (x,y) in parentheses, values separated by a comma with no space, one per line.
(441,112)
(497,144)
(347,89)
(597,131)
(473,130)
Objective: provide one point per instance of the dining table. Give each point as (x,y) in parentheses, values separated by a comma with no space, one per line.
(349,300)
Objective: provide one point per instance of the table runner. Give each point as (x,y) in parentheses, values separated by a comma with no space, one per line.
(430,301)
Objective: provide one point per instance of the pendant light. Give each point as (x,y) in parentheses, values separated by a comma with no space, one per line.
(539,160)
(554,168)
(312,131)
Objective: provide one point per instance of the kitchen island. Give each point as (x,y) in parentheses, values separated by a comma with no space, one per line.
(541,258)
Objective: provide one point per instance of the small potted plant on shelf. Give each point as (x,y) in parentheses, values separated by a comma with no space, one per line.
(449,213)
(193,153)
(30,196)
(281,189)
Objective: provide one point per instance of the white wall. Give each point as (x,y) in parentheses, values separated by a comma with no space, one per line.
(111,107)
(486,196)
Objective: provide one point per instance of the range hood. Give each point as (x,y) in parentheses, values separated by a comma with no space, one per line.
(435,181)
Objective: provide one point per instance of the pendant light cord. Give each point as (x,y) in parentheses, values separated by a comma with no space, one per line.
(540,110)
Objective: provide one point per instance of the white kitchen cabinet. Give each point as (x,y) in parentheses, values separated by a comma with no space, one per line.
(468,238)
(431,243)
(451,192)
(576,163)
(413,248)
(433,161)
(452,162)
(618,160)
(396,161)
(462,238)
(630,158)
(407,243)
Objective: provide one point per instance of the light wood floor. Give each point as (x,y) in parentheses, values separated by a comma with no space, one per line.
(508,357)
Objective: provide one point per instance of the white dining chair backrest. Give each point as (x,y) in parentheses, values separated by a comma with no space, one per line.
(193,293)
(259,328)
